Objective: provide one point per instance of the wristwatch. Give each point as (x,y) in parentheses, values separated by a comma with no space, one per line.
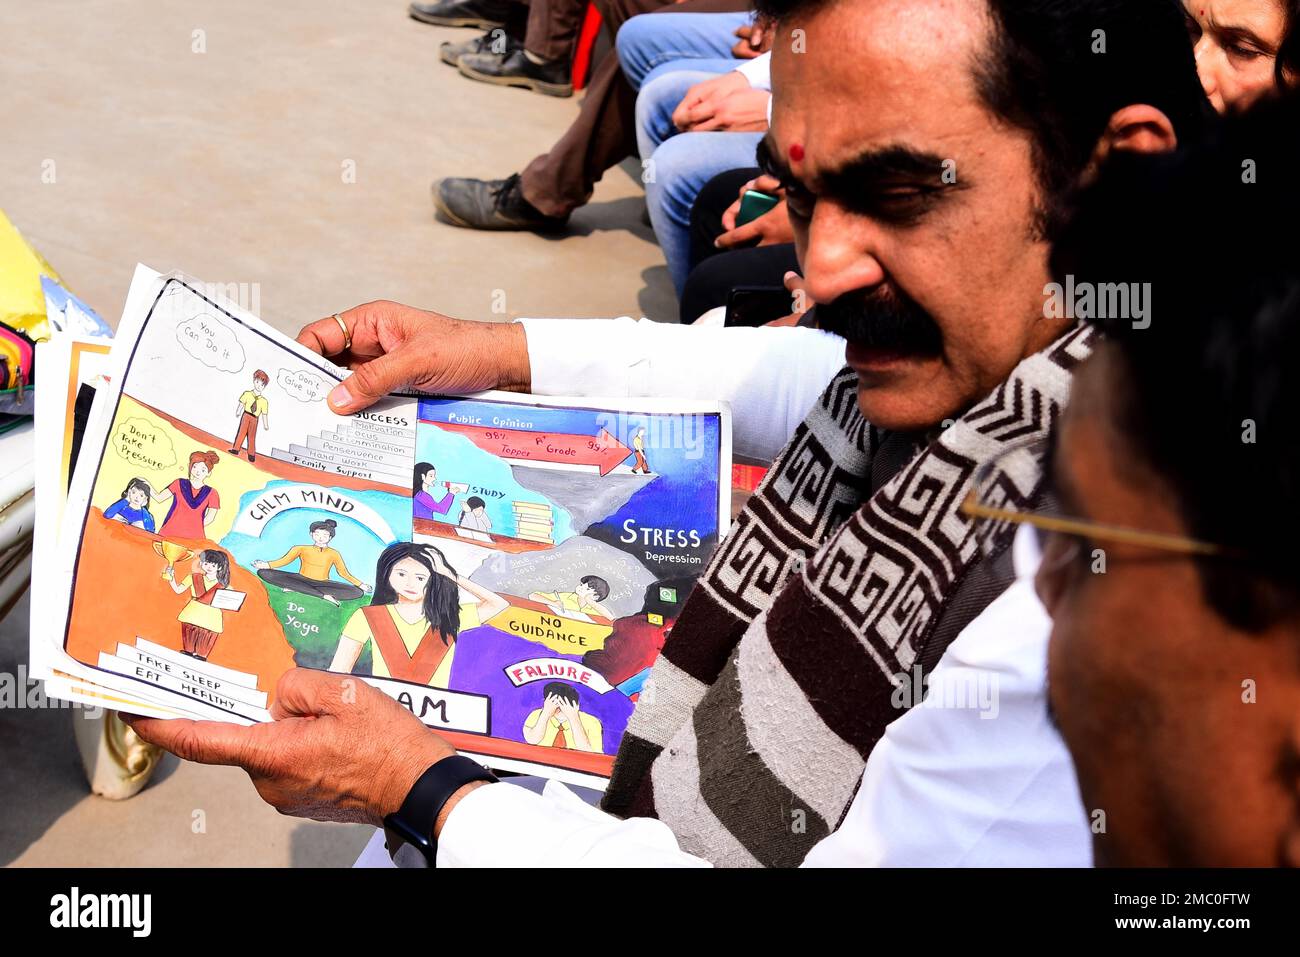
(408,832)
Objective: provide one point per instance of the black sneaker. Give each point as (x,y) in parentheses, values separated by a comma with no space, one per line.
(462,13)
(515,69)
(490,204)
(496,42)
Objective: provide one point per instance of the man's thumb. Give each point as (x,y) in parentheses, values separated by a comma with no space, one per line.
(304,692)
(368,383)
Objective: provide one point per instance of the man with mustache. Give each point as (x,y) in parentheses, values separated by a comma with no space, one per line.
(923,174)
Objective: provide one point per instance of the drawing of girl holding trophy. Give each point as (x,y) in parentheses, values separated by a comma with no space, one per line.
(201,619)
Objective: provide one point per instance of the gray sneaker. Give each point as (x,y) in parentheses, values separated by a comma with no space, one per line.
(490,204)
(495,41)
(515,69)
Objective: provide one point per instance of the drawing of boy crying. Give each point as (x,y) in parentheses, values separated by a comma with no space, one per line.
(252,410)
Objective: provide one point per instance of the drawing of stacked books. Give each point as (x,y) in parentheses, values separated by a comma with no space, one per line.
(534,522)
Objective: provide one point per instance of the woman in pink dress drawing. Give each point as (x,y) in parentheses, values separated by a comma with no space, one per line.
(194,502)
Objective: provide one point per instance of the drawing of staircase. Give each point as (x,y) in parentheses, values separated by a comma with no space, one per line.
(359,448)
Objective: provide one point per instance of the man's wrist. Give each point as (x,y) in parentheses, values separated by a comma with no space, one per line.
(408,764)
(516,371)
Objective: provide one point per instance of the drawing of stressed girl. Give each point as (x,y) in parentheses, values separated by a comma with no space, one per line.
(194,502)
(413,619)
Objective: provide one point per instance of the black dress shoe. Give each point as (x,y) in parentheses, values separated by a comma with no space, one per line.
(490,204)
(496,42)
(515,69)
(462,13)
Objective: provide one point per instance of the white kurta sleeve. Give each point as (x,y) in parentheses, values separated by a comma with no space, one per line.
(770,376)
(758,71)
(501,825)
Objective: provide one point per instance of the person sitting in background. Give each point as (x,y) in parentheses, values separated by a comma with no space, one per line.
(553,185)
(702,119)
(540,62)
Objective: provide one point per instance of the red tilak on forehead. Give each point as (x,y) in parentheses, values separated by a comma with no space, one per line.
(796,152)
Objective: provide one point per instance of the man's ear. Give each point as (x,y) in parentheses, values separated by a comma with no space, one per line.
(1137,129)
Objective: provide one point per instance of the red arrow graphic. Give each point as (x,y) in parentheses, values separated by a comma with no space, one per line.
(602,450)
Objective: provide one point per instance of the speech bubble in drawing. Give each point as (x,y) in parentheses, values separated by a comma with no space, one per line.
(144,445)
(212,342)
(303,385)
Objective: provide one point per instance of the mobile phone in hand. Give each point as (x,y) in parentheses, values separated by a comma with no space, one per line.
(753,205)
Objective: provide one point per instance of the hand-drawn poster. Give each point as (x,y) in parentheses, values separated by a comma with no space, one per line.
(505,566)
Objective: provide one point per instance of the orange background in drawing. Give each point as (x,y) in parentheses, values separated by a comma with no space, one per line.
(121,594)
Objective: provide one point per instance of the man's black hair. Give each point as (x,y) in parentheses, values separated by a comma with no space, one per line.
(475,502)
(1060,69)
(597,585)
(560,690)
(1210,392)
(1288,54)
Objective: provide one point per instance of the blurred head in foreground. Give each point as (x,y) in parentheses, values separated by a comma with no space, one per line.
(1175,675)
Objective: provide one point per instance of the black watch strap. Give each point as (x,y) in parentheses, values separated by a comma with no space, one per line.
(408,832)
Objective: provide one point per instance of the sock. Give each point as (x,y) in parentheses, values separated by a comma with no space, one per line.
(534,59)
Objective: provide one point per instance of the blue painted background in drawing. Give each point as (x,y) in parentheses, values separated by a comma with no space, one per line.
(360,546)
(457,459)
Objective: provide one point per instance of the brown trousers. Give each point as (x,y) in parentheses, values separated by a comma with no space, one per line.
(198,641)
(604,134)
(553,26)
(247,430)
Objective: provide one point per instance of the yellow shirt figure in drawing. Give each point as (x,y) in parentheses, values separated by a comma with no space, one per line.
(315,562)
(252,411)
(581,603)
(638,449)
(413,619)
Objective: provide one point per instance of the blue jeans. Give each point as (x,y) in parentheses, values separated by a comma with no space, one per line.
(647,41)
(662,90)
(663,57)
(681,166)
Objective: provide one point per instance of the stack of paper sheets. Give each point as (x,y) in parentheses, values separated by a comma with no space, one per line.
(491,562)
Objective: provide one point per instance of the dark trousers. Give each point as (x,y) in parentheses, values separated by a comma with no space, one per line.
(604,134)
(716,272)
(553,27)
